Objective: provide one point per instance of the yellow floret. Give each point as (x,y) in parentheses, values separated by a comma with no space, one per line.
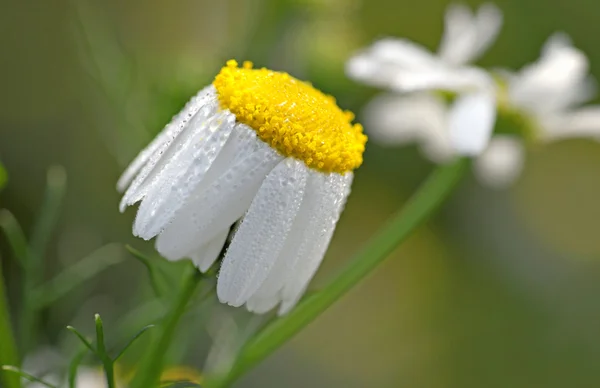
(292,116)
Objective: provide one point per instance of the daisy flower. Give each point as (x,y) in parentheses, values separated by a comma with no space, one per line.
(404,66)
(255,145)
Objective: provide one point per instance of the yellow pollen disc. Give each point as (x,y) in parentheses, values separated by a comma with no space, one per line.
(292,116)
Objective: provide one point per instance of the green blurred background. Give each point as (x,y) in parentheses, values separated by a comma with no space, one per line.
(501,289)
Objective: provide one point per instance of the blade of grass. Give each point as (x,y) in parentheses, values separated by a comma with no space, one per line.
(15,237)
(25,375)
(8,348)
(101,352)
(151,367)
(158,280)
(56,184)
(3,176)
(419,208)
(56,180)
(76,275)
(132,340)
(74,365)
(82,339)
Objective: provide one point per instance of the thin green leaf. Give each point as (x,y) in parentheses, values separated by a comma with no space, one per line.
(34,270)
(8,348)
(100,347)
(158,279)
(3,176)
(82,339)
(132,340)
(15,236)
(419,208)
(101,352)
(179,384)
(74,365)
(148,374)
(25,375)
(77,274)
(56,184)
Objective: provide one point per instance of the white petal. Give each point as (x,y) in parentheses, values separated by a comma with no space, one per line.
(183,173)
(488,22)
(395,119)
(557,41)
(151,173)
(205,256)
(312,231)
(214,209)
(403,53)
(441,78)
(301,240)
(471,121)
(165,137)
(262,234)
(501,163)
(459,35)
(382,62)
(554,82)
(259,305)
(399,119)
(584,122)
(467,36)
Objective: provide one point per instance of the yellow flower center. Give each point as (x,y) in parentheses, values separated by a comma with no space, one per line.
(292,116)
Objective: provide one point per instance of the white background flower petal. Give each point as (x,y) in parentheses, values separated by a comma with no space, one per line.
(552,83)
(441,78)
(459,35)
(398,119)
(467,36)
(501,163)
(488,22)
(471,121)
(583,122)
(403,53)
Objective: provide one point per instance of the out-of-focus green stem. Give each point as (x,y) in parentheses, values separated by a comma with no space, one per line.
(33,270)
(150,370)
(419,208)
(8,348)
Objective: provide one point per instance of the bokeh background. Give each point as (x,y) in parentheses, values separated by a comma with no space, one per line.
(500,289)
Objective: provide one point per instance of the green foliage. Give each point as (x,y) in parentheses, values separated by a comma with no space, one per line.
(100,351)
(8,348)
(27,376)
(3,176)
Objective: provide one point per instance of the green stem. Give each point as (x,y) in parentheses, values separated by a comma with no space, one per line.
(150,370)
(107,362)
(419,208)
(8,348)
(41,235)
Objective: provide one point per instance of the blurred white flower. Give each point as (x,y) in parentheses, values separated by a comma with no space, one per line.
(423,119)
(501,162)
(552,90)
(250,146)
(549,92)
(403,66)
